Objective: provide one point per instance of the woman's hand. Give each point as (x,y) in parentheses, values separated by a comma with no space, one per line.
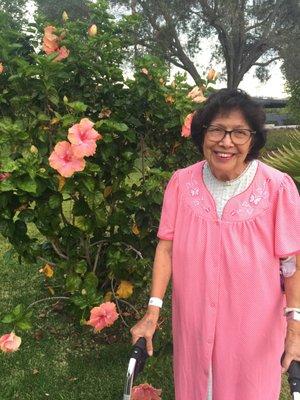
(292,344)
(145,328)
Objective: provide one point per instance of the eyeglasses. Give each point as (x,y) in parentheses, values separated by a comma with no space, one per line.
(237,136)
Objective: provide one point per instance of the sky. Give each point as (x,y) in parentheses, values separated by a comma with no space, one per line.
(274,87)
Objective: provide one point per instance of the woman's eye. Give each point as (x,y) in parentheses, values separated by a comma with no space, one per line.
(240,132)
(215,129)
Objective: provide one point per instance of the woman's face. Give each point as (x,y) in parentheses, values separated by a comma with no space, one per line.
(230,167)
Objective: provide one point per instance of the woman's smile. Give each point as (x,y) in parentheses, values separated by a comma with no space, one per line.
(225,158)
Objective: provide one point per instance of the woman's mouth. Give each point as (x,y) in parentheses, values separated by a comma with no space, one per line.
(223,156)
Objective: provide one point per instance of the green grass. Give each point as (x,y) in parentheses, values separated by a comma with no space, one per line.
(61,360)
(279,137)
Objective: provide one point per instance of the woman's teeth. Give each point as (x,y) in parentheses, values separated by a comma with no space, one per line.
(224,155)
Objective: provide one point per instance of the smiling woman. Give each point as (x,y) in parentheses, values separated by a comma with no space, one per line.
(229,132)
(225,226)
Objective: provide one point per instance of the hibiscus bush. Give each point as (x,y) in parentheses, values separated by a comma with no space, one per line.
(85,154)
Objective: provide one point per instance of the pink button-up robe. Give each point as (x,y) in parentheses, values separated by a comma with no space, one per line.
(227,305)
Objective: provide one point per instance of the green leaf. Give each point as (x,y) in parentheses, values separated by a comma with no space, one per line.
(18,310)
(55,201)
(78,106)
(81,267)
(90,281)
(101,217)
(83,223)
(27,184)
(7,185)
(8,318)
(89,183)
(113,125)
(26,215)
(80,301)
(92,167)
(73,283)
(24,325)
(8,165)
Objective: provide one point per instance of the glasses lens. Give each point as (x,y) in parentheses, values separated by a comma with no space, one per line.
(214,133)
(238,136)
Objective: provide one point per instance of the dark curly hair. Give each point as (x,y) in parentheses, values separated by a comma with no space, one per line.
(224,101)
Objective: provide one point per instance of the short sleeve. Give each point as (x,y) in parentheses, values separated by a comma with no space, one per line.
(287,219)
(169,209)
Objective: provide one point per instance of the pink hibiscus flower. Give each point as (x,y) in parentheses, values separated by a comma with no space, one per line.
(83,138)
(196,95)
(145,392)
(50,40)
(4,176)
(64,160)
(51,43)
(9,342)
(63,52)
(186,127)
(103,316)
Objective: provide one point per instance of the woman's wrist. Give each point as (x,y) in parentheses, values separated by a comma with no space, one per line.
(153,311)
(293,327)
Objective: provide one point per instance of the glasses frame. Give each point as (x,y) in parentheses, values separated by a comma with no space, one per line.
(229,133)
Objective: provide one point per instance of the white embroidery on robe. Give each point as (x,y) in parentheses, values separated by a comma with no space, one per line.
(247,207)
(196,198)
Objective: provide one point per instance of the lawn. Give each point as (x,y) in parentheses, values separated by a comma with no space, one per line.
(61,360)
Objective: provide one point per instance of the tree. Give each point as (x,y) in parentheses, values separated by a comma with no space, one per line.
(13,8)
(249,32)
(289,49)
(52,10)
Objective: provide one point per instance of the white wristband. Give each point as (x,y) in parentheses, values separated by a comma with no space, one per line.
(155,301)
(289,309)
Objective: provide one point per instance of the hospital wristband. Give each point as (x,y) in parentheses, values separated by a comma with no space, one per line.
(155,301)
(289,309)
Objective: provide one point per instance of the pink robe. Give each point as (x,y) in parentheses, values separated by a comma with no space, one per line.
(227,302)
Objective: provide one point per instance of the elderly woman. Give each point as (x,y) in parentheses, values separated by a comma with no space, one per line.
(230,225)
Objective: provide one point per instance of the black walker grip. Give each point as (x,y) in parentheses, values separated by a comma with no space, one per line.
(139,352)
(293,375)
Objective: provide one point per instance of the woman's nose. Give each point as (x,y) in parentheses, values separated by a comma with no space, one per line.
(226,141)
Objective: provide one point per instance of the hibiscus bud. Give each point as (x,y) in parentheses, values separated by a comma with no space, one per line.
(169,99)
(4,176)
(1,68)
(212,75)
(33,149)
(65,16)
(92,31)
(145,71)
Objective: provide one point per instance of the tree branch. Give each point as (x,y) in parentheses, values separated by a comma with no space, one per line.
(264,64)
(58,251)
(97,257)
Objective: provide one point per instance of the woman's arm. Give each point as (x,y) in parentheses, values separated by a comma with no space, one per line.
(160,278)
(292,341)
(292,286)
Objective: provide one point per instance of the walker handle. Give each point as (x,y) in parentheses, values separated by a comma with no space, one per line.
(293,375)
